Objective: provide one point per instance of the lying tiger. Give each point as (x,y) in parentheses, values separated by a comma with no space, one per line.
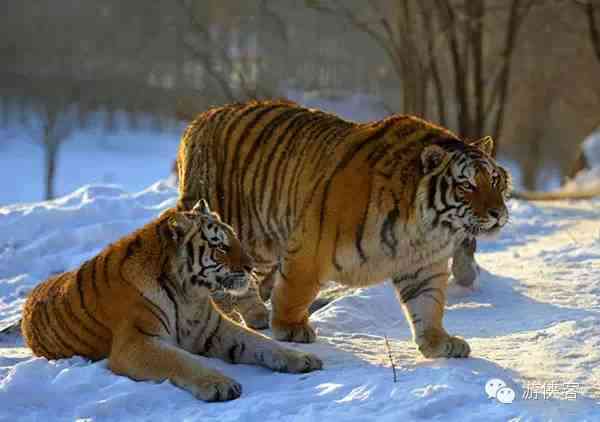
(314,198)
(144,304)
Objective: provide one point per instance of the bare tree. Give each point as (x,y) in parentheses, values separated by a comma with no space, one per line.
(422,37)
(591,9)
(222,53)
(55,117)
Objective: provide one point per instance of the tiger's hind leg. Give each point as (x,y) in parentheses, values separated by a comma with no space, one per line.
(464,267)
(296,287)
(146,357)
(423,297)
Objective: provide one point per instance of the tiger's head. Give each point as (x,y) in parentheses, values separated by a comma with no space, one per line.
(464,187)
(208,252)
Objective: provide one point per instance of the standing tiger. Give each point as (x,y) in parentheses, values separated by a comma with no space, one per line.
(316,198)
(144,303)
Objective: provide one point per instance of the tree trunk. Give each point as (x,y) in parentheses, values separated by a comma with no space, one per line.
(593,27)
(50,159)
(476,11)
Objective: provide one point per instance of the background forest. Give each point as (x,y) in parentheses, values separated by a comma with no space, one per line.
(524,71)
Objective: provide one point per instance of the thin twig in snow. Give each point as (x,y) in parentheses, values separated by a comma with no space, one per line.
(389,350)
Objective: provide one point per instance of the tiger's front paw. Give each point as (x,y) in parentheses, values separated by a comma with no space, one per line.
(296,333)
(216,388)
(292,361)
(436,344)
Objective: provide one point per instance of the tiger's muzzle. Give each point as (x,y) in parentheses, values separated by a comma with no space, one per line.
(496,219)
(235,283)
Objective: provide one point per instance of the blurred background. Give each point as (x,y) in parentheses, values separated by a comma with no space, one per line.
(100,91)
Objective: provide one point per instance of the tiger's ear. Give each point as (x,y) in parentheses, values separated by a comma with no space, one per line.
(485,144)
(432,156)
(202,207)
(178,226)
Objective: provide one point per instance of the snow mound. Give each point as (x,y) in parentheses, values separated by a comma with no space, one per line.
(587,179)
(534,320)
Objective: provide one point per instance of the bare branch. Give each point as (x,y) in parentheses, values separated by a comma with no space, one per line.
(517,14)
(460,88)
(590,11)
(386,43)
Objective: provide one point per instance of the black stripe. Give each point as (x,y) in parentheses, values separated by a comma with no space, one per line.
(163,245)
(73,316)
(432,189)
(444,188)
(191,258)
(346,159)
(261,144)
(94,262)
(327,145)
(334,260)
(33,326)
(144,332)
(133,245)
(70,332)
(106,263)
(79,282)
(234,353)
(275,187)
(360,229)
(449,348)
(158,313)
(208,341)
(235,159)
(413,291)
(289,118)
(46,334)
(323,133)
(397,280)
(291,180)
(164,282)
(286,216)
(388,232)
(237,116)
(233,117)
(312,129)
(328,135)
(57,338)
(428,293)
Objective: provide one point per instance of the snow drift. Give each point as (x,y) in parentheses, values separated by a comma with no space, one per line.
(534,322)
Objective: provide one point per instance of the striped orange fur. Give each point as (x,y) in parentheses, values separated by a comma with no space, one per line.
(314,198)
(144,303)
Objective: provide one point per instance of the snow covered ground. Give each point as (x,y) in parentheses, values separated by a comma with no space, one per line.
(133,159)
(534,323)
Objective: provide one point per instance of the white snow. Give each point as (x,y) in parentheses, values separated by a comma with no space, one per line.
(587,179)
(534,321)
(133,159)
(591,148)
